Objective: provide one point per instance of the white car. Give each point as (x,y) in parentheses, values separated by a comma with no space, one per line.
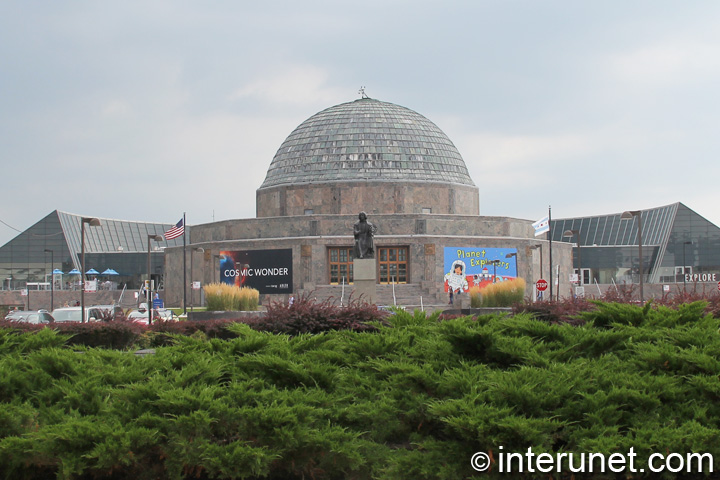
(35,317)
(161,314)
(167,315)
(139,316)
(110,312)
(72,314)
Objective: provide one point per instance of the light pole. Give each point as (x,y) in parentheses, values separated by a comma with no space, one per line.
(495,262)
(52,279)
(216,269)
(627,216)
(511,255)
(148,290)
(93,222)
(684,263)
(570,233)
(192,292)
(538,247)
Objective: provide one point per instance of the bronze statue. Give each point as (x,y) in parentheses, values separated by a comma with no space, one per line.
(363,232)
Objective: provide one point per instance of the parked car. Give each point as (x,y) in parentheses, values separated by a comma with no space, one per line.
(30,316)
(138,316)
(167,315)
(109,312)
(159,314)
(72,314)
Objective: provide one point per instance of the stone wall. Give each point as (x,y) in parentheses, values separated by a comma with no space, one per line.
(342,226)
(310,236)
(350,198)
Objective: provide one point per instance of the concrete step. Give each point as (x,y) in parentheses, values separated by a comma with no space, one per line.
(406,295)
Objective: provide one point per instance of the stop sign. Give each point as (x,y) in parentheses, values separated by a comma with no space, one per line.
(541,285)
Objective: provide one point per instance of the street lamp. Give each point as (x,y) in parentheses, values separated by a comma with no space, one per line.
(52,278)
(495,262)
(684,263)
(511,255)
(93,222)
(192,293)
(570,233)
(628,215)
(148,290)
(539,248)
(218,266)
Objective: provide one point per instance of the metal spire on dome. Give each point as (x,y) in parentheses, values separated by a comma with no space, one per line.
(362,93)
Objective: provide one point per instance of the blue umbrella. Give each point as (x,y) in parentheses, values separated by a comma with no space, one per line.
(74,271)
(109,271)
(57,271)
(92,271)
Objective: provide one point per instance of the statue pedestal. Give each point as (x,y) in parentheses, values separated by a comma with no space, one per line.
(461,301)
(365,280)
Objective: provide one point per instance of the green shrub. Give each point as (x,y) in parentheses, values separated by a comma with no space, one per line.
(413,397)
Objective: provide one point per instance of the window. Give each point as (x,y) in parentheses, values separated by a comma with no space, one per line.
(393,264)
(680,273)
(586,275)
(341,265)
(426,210)
(309,211)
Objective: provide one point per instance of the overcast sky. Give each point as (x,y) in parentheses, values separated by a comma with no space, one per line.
(143,110)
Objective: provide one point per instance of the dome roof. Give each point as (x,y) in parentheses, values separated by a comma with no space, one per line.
(367,140)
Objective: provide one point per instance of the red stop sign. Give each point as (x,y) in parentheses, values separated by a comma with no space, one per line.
(541,285)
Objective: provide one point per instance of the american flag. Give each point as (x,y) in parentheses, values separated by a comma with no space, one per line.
(176,231)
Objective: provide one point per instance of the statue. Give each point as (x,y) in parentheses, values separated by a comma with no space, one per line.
(363,232)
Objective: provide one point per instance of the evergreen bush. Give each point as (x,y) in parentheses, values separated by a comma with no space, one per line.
(412,397)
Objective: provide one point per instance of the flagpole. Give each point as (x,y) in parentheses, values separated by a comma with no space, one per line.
(550,248)
(184,267)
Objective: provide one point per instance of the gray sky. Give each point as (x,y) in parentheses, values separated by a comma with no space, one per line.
(143,110)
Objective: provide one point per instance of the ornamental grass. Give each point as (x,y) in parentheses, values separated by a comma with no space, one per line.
(502,294)
(221,297)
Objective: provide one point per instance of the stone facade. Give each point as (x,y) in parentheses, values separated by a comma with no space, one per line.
(348,198)
(310,236)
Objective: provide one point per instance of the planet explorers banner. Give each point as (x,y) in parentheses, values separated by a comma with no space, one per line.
(267,271)
(468,267)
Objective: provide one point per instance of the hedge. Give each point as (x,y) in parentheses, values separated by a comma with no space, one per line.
(413,398)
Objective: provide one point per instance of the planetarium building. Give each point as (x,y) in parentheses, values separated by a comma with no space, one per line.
(405,173)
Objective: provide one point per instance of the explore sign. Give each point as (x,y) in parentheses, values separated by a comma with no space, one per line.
(702,277)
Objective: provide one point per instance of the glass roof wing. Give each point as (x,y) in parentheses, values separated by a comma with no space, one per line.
(111,235)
